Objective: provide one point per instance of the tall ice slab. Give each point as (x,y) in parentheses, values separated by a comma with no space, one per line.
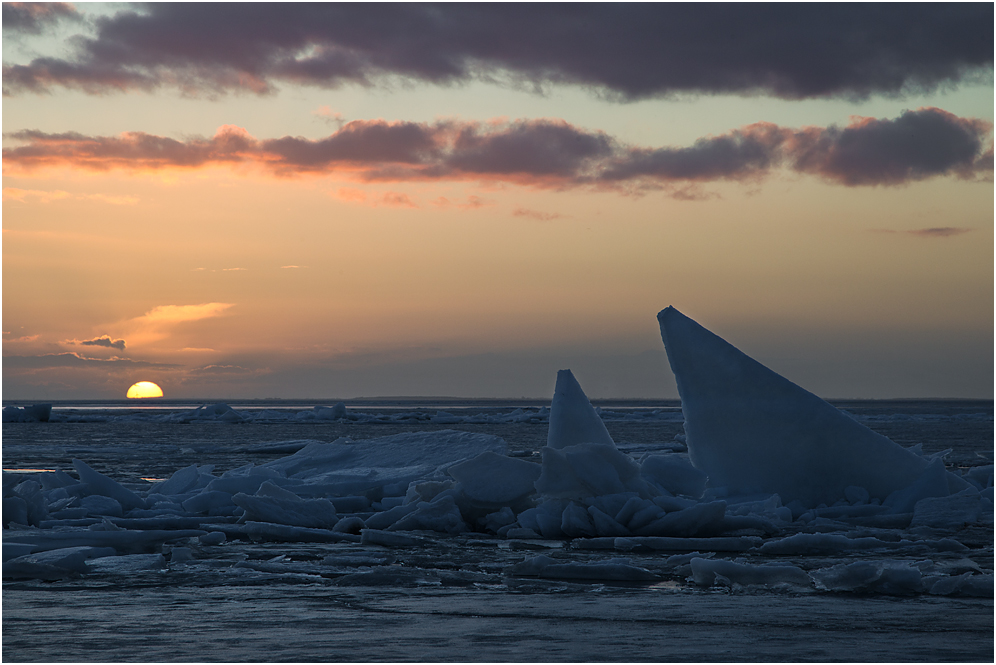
(572,417)
(754,431)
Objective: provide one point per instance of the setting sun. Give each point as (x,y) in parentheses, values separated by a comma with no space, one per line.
(144,389)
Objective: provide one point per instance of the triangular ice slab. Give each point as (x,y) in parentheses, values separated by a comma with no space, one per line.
(572,417)
(752,430)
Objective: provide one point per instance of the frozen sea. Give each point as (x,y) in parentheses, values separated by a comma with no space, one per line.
(450,598)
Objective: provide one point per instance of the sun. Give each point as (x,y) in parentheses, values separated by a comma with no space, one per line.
(144,389)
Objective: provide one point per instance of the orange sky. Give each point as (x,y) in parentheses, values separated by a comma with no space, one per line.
(388,240)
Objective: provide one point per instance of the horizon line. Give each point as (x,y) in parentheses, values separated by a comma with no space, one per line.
(440,398)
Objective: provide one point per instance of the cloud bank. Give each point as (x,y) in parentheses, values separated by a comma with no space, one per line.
(628,51)
(549,153)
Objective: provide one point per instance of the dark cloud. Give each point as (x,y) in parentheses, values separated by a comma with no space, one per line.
(552,153)
(105,341)
(916,145)
(34,17)
(359,141)
(534,148)
(741,154)
(129,150)
(631,50)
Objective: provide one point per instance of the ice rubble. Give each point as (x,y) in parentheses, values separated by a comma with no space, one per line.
(771,471)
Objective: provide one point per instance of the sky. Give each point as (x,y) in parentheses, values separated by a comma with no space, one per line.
(334,201)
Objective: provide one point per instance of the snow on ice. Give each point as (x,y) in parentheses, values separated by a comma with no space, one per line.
(771,471)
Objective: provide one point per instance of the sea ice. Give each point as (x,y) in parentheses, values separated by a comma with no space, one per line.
(707,572)
(294,534)
(181,481)
(572,417)
(703,519)
(98,483)
(124,541)
(212,538)
(575,522)
(359,559)
(95,504)
(822,544)
(674,474)
(126,564)
(337,412)
(545,519)
(966,584)
(493,480)
(273,504)
(887,577)
(209,501)
(751,430)
(933,481)
(386,518)
(350,524)
(390,463)
(441,514)
(589,469)
(950,512)
(980,476)
(753,438)
(604,524)
(616,570)
(35,507)
(54,564)
(217,412)
(718,544)
(33,413)
(391,538)
(393,576)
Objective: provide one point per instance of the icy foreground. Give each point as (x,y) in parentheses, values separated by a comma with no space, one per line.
(797,496)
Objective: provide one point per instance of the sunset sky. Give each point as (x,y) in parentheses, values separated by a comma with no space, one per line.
(255,200)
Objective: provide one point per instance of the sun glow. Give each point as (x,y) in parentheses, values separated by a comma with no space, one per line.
(144,389)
